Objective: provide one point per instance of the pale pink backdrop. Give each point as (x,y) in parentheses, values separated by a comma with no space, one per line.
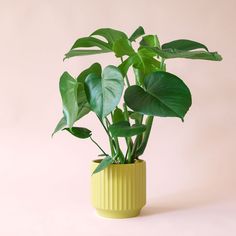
(44,182)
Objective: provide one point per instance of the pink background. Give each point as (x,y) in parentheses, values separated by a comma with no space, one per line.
(44,182)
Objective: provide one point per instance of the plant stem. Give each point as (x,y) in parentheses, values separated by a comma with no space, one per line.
(109,136)
(110,139)
(98,146)
(126,77)
(162,66)
(128,139)
(119,152)
(104,127)
(149,122)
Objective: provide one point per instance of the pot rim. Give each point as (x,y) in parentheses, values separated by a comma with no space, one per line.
(137,162)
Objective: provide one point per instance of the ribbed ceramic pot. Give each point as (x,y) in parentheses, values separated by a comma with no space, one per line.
(119,191)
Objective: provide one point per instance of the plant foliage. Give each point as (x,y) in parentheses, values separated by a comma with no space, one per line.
(152,92)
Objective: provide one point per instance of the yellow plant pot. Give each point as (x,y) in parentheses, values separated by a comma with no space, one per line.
(119,191)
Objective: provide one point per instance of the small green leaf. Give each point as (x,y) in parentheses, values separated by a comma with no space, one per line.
(125,65)
(104,93)
(123,47)
(68,89)
(103,164)
(146,64)
(143,61)
(94,68)
(90,42)
(137,33)
(150,40)
(123,129)
(79,132)
(165,95)
(135,116)
(111,35)
(184,45)
(61,124)
(118,115)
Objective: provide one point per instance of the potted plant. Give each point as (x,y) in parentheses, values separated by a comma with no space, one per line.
(125,108)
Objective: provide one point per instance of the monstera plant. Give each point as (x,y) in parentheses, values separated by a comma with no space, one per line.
(126,107)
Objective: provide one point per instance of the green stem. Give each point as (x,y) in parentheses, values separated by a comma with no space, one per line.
(104,127)
(126,77)
(98,146)
(162,66)
(110,139)
(149,122)
(109,136)
(138,140)
(129,142)
(119,152)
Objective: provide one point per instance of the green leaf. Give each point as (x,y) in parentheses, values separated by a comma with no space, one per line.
(83,105)
(94,68)
(184,45)
(143,62)
(166,95)
(202,55)
(87,42)
(61,124)
(125,65)
(123,129)
(118,115)
(104,93)
(103,164)
(68,89)
(150,40)
(111,35)
(145,65)
(137,33)
(75,53)
(135,116)
(79,132)
(123,47)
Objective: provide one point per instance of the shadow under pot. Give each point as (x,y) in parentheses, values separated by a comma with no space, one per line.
(119,191)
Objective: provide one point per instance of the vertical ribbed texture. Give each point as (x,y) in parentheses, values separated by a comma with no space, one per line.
(119,187)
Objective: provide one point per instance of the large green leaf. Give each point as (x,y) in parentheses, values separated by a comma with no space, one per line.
(184,45)
(79,132)
(83,107)
(104,93)
(123,47)
(103,164)
(68,89)
(111,35)
(75,53)
(123,129)
(90,42)
(165,95)
(137,33)
(60,125)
